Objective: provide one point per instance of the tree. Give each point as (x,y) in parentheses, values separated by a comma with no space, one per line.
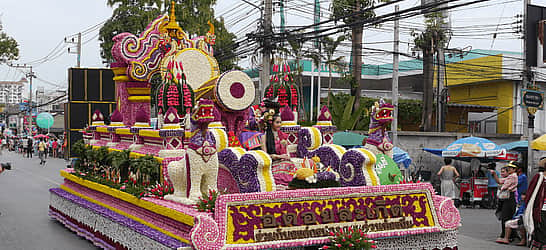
(9,49)
(330,47)
(352,12)
(133,16)
(429,41)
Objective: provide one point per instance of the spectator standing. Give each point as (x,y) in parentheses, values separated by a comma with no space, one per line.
(447,175)
(522,183)
(42,150)
(507,196)
(492,185)
(54,146)
(30,146)
(534,218)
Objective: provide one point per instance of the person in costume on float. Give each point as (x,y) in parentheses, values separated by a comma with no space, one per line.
(274,142)
(447,174)
(506,196)
(534,218)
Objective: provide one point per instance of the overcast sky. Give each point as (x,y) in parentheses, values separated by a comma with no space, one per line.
(40,25)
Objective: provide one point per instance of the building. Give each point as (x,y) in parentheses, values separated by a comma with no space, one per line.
(50,101)
(483,88)
(11,92)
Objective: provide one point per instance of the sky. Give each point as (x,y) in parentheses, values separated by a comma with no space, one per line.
(40,26)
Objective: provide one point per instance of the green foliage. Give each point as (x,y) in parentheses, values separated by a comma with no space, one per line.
(120,161)
(350,238)
(207,203)
(148,167)
(345,8)
(409,111)
(341,106)
(9,49)
(101,166)
(434,36)
(133,17)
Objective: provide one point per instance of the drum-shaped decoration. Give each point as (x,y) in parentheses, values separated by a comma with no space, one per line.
(234,91)
(197,66)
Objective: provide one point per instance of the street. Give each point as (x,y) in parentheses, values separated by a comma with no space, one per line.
(24,223)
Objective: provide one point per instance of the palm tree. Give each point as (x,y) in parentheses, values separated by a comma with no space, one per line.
(330,47)
(429,41)
(351,12)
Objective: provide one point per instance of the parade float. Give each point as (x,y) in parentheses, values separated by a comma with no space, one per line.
(200,179)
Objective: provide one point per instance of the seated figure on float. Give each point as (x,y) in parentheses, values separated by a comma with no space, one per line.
(274,142)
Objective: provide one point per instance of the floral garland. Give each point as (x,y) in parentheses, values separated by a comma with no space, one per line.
(122,229)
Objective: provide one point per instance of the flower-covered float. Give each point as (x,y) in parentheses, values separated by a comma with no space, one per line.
(201,179)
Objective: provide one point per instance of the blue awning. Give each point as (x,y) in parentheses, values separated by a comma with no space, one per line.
(520,146)
(436,151)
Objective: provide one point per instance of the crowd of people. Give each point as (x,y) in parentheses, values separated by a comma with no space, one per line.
(520,205)
(42,146)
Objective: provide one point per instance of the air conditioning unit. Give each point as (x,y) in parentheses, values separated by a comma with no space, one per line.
(541,52)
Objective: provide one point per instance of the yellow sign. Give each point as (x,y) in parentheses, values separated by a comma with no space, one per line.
(273,220)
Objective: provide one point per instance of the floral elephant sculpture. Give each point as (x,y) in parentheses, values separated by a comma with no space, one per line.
(197,172)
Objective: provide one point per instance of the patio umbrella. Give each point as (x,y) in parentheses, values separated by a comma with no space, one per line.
(401,156)
(474,147)
(41,136)
(520,146)
(539,143)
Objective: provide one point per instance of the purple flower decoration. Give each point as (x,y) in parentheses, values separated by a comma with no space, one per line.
(116,116)
(286,114)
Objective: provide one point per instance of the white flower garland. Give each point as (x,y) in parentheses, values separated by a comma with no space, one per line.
(171,153)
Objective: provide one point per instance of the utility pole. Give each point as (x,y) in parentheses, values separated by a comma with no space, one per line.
(28,75)
(266,61)
(525,84)
(440,99)
(316,21)
(395,60)
(78,44)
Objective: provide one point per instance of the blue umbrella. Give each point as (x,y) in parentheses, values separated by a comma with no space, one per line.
(520,146)
(401,156)
(472,147)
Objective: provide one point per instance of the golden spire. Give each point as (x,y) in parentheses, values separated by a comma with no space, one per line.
(172,27)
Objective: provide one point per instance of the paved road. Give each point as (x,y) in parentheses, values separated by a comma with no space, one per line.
(24,201)
(24,223)
(480,228)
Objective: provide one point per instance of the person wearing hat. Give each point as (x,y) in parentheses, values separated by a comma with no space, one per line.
(534,217)
(506,195)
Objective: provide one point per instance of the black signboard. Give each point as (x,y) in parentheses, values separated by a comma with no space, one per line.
(532,98)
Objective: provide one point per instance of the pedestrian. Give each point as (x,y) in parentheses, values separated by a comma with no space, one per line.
(534,218)
(492,185)
(506,195)
(516,223)
(447,175)
(54,145)
(522,182)
(42,150)
(29,148)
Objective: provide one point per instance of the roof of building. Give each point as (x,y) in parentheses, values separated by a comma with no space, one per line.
(407,65)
